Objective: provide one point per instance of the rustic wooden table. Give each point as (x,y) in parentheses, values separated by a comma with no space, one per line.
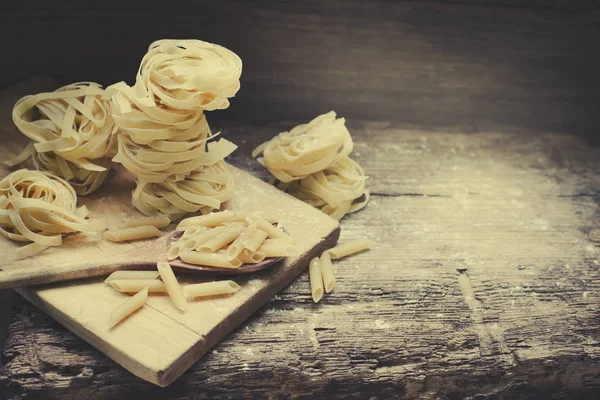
(484,282)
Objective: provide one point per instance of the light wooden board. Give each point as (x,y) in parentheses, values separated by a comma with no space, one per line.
(159,343)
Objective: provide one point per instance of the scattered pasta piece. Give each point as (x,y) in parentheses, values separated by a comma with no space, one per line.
(311,163)
(120,275)
(39,207)
(128,307)
(346,249)
(158,222)
(172,286)
(327,272)
(72,133)
(135,285)
(132,233)
(316,280)
(210,289)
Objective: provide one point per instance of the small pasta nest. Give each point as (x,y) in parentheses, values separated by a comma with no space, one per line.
(333,190)
(39,207)
(229,239)
(203,190)
(306,149)
(73,122)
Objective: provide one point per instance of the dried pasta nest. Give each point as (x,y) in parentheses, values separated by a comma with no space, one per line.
(307,148)
(189,75)
(203,191)
(337,190)
(83,181)
(71,129)
(39,207)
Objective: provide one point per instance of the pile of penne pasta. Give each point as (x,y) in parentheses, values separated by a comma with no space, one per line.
(321,270)
(228,239)
(144,282)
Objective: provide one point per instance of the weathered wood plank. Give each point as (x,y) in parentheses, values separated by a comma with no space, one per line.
(485,280)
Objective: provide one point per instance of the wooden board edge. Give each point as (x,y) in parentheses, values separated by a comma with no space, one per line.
(241,314)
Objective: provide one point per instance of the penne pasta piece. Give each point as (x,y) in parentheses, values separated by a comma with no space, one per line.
(277,248)
(316,280)
(209,259)
(249,257)
(209,220)
(172,286)
(220,240)
(132,275)
(350,248)
(191,231)
(133,233)
(210,289)
(202,236)
(158,222)
(128,307)
(135,285)
(327,272)
(235,248)
(266,226)
(256,240)
(174,251)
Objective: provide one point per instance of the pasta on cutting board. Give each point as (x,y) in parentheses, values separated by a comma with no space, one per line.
(72,133)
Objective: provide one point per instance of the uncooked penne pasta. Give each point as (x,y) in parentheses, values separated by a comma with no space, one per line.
(316,280)
(135,285)
(251,257)
(209,259)
(128,307)
(173,288)
(202,236)
(277,248)
(210,220)
(132,275)
(220,240)
(133,233)
(158,222)
(235,248)
(266,226)
(210,289)
(350,248)
(327,272)
(30,250)
(174,251)
(256,240)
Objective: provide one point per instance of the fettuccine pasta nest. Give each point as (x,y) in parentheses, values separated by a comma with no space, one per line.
(307,148)
(202,191)
(335,190)
(39,207)
(72,133)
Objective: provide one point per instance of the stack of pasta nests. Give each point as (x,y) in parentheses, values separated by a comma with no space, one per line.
(72,133)
(165,138)
(312,163)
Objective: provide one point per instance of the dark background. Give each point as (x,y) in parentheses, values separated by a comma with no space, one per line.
(504,65)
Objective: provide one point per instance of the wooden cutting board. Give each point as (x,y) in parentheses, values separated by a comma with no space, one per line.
(159,342)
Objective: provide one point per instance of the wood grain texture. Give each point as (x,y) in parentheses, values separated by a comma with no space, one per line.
(505,65)
(158,343)
(484,284)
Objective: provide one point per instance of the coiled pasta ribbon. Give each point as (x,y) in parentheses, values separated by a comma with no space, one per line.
(39,207)
(333,190)
(166,140)
(307,148)
(203,190)
(72,133)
